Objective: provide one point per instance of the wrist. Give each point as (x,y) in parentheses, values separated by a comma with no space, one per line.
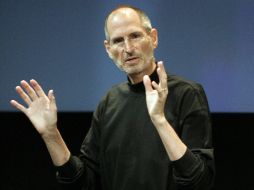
(159,120)
(50,133)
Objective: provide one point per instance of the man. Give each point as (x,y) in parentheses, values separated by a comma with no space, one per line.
(152,132)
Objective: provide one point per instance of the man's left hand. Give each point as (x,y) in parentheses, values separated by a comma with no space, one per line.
(156,94)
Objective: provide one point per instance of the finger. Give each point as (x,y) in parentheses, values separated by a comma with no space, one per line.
(52,99)
(155,86)
(23,95)
(147,83)
(30,91)
(162,75)
(39,91)
(159,89)
(18,106)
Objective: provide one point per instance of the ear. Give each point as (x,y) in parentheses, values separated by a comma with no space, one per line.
(154,36)
(107,47)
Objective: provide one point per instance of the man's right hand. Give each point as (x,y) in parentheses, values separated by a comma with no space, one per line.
(42,112)
(41,108)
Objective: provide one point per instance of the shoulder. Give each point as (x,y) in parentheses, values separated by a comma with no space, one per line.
(117,90)
(181,83)
(186,91)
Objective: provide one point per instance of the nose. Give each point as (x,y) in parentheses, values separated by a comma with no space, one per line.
(128,46)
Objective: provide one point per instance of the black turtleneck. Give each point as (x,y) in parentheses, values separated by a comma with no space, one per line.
(123,151)
(140,86)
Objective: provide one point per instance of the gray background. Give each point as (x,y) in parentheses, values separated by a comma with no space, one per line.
(60,44)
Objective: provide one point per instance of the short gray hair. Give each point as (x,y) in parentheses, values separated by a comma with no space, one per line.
(143,17)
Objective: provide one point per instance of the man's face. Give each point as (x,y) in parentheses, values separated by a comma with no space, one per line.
(130,46)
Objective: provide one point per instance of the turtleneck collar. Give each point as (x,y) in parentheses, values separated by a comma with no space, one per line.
(139,87)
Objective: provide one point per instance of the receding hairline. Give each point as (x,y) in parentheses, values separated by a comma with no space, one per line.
(144,19)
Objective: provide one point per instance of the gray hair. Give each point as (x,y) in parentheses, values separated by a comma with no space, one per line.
(146,23)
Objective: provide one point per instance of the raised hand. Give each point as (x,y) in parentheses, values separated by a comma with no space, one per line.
(41,108)
(156,94)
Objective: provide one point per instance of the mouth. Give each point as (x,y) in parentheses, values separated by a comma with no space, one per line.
(132,60)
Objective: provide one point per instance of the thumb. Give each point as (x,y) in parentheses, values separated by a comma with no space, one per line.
(52,99)
(147,83)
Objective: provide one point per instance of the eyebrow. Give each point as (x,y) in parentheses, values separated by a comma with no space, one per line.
(132,33)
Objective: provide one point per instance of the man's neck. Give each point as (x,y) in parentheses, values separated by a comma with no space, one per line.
(138,77)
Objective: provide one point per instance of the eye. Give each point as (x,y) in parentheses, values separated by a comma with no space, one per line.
(135,35)
(117,40)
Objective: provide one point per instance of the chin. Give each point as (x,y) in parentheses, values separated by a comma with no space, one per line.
(132,70)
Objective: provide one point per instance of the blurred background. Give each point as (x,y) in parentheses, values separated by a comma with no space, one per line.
(60,43)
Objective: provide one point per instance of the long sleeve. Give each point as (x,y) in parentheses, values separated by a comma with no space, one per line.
(83,171)
(123,150)
(195,170)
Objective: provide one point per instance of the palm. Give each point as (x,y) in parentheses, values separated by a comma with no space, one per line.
(41,109)
(152,101)
(41,115)
(156,94)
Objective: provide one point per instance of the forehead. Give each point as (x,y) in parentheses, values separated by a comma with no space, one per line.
(123,21)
